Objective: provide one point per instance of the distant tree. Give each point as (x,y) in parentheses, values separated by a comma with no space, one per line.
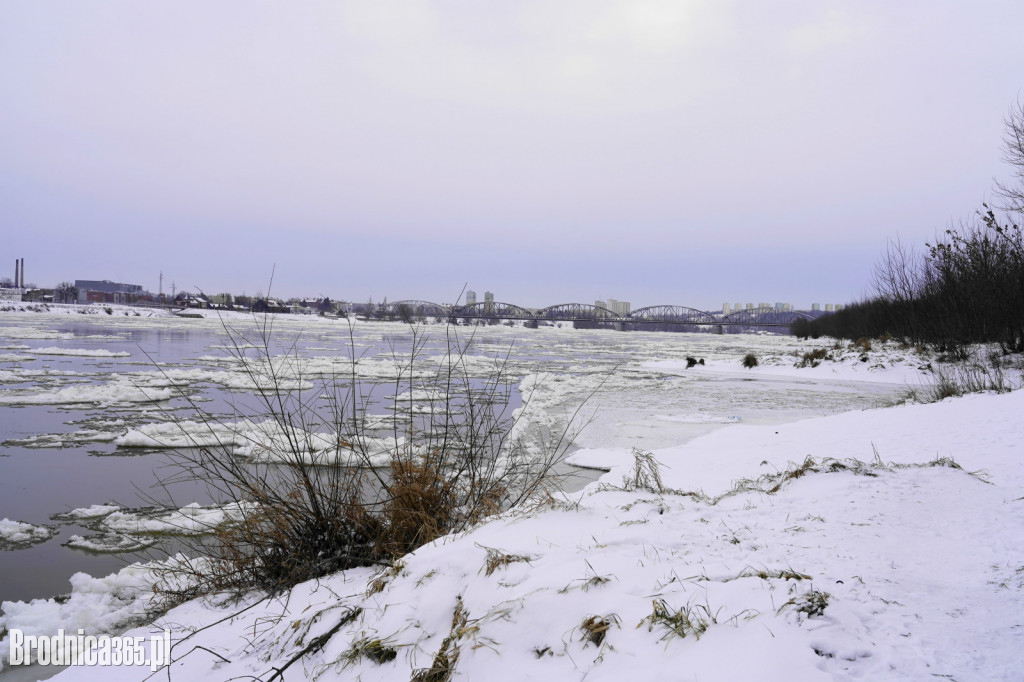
(65,292)
(6,283)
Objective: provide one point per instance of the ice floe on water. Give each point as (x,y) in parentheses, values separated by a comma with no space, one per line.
(12,357)
(120,391)
(82,352)
(192,519)
(110,543)
(33,333)
(267,441)
(63,440)
(95,511)
(17,534)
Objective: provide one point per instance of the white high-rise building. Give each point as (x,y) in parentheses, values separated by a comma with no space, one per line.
(620,308)
(470,297)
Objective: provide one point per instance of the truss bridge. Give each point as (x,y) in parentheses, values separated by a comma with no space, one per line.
(584,314)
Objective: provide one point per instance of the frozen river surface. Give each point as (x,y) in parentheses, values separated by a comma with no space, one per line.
(73,388)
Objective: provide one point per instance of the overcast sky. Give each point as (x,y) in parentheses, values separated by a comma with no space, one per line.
(688,152)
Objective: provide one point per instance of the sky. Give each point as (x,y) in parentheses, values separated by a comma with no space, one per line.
(686,152)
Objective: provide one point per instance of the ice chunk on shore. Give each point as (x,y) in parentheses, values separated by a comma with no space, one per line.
(97,605)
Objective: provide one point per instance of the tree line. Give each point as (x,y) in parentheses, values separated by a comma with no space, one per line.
(965,288)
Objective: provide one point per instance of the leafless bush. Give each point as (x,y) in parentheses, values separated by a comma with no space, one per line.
(327,492)
(813,358)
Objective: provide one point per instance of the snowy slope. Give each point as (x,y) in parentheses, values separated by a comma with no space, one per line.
(854,572)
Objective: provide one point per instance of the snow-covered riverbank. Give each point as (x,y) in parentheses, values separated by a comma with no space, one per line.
(873,558)
(878,559)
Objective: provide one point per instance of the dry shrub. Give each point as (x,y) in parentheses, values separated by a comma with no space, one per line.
(750,361)
(419,507)
(285,541)
(646,473)
(680,622)
(497,559)
(447,655)
(812,604)
(312,510)
(595,628)
(377,650)
(813,358)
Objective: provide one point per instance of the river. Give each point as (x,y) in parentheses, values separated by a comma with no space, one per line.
(72,386)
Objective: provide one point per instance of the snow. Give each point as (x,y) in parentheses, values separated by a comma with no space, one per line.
(876,544)
(885,362)
(873,569)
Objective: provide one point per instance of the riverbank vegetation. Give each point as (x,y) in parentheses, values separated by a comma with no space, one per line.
(965,288)
(326,486)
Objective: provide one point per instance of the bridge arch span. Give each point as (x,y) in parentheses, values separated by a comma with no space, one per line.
(765,317)
(575,311)
(493,310)
(410,310)
(671,313)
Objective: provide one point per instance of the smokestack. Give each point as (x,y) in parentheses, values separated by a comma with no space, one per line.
(16,262)
(22,273)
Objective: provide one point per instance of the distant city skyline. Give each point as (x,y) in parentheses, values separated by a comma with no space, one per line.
(664,151)
(469,298)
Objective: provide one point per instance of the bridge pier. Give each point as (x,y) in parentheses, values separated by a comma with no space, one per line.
(620,326)
(532,324)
